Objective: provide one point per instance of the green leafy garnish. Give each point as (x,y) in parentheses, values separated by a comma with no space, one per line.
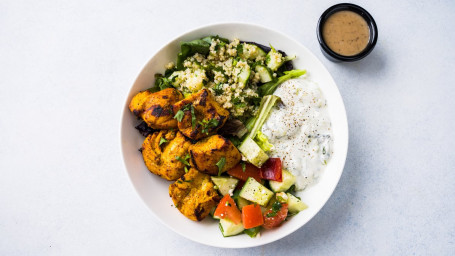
(218,89)
(221,164)
(243,164)
(276,207)
(184,160)
(193,118)
(207,124)
(181,113)
(162,82)
(162,140)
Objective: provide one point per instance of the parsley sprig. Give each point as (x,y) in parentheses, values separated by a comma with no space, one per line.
(221,164)
(207,124)
(184,161)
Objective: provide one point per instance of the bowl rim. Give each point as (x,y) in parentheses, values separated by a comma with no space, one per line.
(125,112)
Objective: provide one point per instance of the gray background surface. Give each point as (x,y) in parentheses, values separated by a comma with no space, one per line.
(66,67)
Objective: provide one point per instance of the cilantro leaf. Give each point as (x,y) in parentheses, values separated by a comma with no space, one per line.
(162,140)
(207,124)
(184,160)
(179,115)
(221,164)
(193,118)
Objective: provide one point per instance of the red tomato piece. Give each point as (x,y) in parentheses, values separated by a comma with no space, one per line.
(274,221)
(228,209)
(250,171)
(271,170)
(252,216)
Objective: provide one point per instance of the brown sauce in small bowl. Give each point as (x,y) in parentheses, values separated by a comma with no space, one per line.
(346,33)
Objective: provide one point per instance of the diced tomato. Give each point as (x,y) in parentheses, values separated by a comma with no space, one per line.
(252,216)
(228,209)
(271,170)
(250,171)
(274,221)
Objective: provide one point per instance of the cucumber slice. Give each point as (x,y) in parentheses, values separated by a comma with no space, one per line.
(212,214)
(252,152)
(295,205)
(244,75)
(264,74)
(288,181)
(226,185)
(241,202)
(251,51)
(255,192)
(229,228)
(274,60)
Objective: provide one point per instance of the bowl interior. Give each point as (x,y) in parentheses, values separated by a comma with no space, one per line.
(154,190)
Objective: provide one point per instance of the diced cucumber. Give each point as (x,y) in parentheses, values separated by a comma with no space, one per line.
(241,202)
(212,213)
(229,228)
(255,192)
(226,185)
(295,205)
(275,60)
(252,232)
(244,76)
(250,51)
(264,74)
(252,152)
(288,181)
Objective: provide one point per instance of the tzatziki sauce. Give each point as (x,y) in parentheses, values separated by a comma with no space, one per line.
(299,128)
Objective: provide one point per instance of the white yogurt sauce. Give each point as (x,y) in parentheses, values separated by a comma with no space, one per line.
(300,130)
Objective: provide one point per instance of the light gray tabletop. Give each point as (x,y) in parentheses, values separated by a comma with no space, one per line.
(66,67)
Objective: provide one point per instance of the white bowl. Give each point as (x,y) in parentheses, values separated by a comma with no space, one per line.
(154,190)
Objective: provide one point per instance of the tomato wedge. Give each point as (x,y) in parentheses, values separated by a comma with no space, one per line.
(228,209)
(271,170)
(250,171)
(273,218)
(252,216)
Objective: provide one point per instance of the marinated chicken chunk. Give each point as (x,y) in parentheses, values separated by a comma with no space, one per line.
(156,108)
(207,155)
(161,151)
(194,195)
(199,115)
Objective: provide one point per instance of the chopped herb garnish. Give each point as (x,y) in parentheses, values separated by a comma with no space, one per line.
(179,182)
(218,89)
(243,164)
(181,113)
(221,164)
(228,204)
(207,124)
(162,140)
(276,207)
(323,150)
(186,169)
(188,180)
(193,118)
(184,160)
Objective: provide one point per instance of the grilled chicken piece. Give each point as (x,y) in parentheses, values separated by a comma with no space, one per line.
(161,159)
(206,153)
(194,195)
(209,115)
(156,108)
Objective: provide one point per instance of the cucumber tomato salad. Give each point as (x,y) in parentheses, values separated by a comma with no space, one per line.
(216,129)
